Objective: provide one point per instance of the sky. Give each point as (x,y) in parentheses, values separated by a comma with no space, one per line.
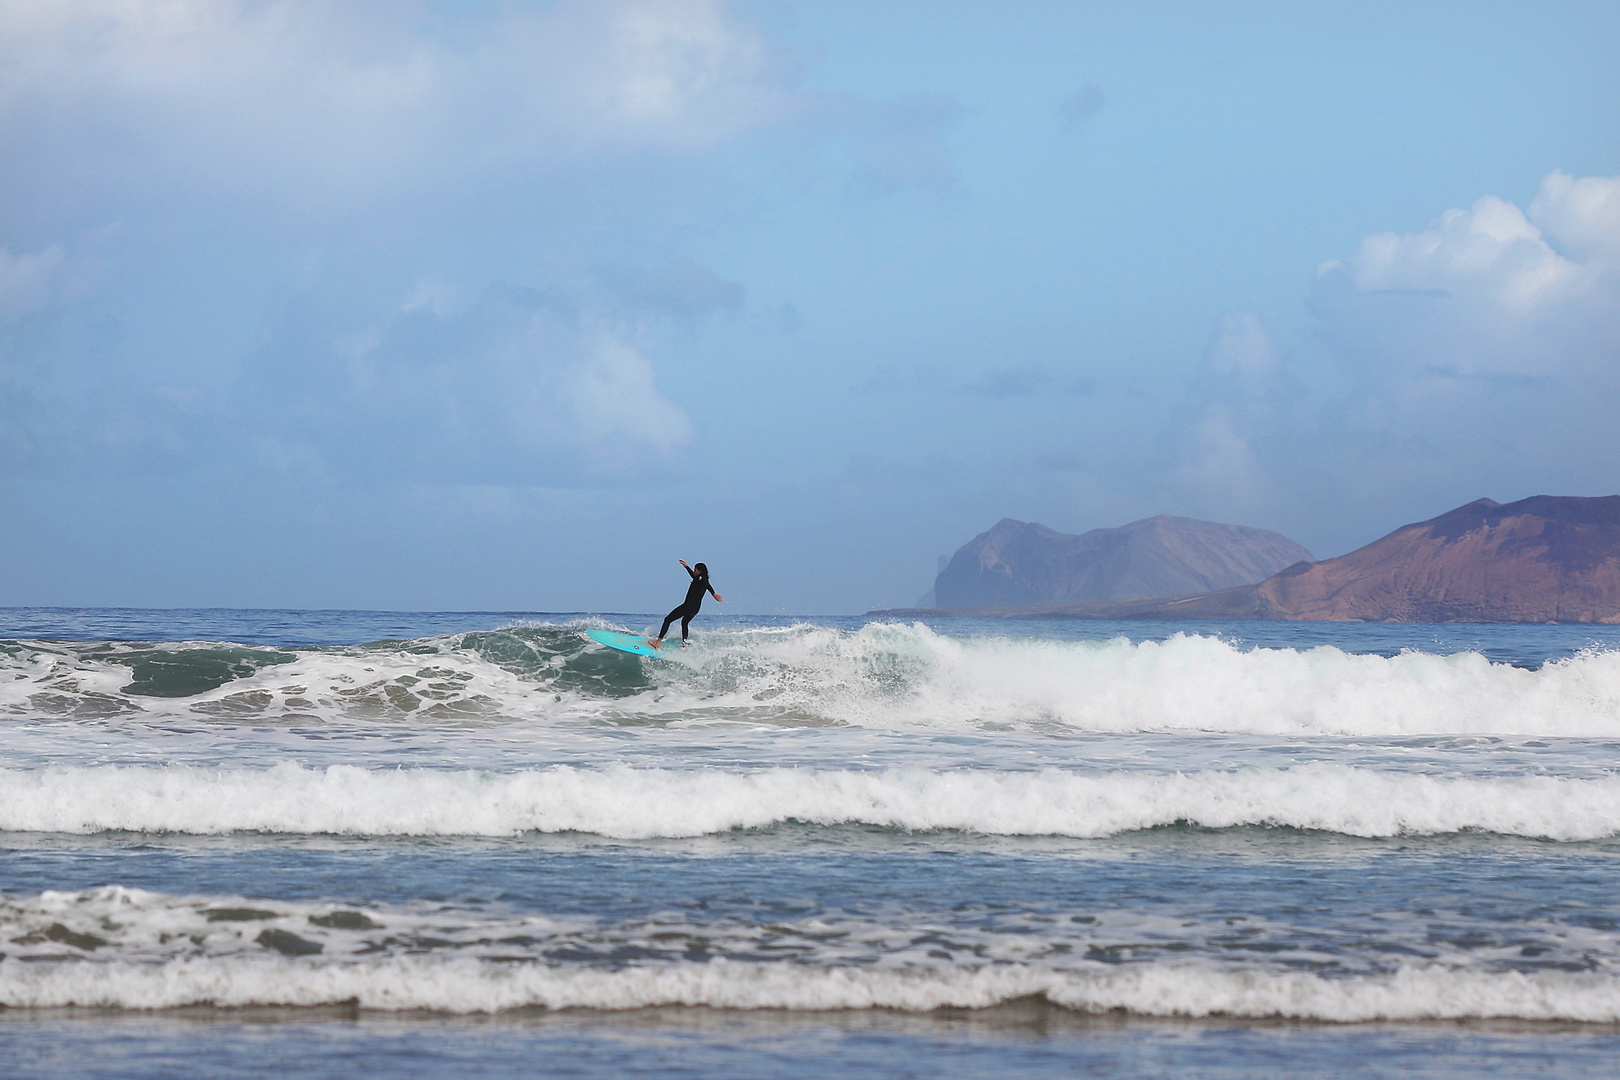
(509,305)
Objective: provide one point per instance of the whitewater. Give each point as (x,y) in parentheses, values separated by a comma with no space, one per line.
(881,677)
(445,816)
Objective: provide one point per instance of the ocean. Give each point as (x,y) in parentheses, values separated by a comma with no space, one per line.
(247,843)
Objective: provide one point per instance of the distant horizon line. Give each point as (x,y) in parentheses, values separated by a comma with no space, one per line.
(409,611)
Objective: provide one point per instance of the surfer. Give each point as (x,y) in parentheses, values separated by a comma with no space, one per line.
(689,607)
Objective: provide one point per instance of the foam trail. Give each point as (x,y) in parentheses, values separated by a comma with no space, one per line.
(643,803)
(471,986)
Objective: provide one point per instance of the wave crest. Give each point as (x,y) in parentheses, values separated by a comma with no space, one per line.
(882,676)
(628,803)
(470,986)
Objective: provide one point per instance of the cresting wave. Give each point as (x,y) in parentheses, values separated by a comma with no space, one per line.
(471,986)
(882,676)
(631,803)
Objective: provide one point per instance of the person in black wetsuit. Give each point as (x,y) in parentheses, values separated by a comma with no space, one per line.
(689,607)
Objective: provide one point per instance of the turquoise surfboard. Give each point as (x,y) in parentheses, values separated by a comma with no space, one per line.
(630,643)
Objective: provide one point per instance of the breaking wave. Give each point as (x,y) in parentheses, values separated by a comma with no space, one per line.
(882,676)
(471,986)
(634,803)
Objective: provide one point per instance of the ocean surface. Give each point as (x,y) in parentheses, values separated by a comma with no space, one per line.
(246,843)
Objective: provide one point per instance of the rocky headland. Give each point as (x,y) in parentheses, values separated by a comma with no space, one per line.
(1548,558)
(1023,564)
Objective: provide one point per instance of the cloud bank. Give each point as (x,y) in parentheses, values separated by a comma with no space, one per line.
(335,104)
(1477,356)
(439,243)
(523,386)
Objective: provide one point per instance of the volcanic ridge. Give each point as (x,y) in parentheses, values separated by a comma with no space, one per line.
(1548,558)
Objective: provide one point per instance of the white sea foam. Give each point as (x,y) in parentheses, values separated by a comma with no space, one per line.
(908,676)
(461,985)
(882,677)
(126,948)
(116,923)
(641,803)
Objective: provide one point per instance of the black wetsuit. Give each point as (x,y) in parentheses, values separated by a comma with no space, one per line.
(689,607)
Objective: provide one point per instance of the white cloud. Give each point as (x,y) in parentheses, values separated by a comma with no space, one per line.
(1237,395)
(1219,470)
(1490,253)
(520,387)
(1242,349)
(1581,216)
(1480,354)
(264,175)
(667,72)
(412,106)
(615,401)
(329,101)
(1487,292)
(289,165)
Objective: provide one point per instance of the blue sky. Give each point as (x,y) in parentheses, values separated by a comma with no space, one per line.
(509,305)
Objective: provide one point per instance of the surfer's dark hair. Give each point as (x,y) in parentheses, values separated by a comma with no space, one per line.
(701,569)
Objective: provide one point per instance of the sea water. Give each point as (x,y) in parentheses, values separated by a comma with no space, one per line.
(239,843)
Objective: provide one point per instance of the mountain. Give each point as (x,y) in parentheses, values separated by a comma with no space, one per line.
(1021,564)
(1548,558)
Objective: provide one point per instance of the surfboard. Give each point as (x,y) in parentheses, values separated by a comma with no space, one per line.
(630,643)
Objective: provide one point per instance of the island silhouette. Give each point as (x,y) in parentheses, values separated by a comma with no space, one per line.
(1547,558)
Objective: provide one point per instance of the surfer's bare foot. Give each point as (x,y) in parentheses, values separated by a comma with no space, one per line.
(656,642)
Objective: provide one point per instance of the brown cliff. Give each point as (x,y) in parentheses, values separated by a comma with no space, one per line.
(1547,558)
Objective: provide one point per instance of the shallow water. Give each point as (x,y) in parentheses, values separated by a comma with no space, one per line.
(451,842)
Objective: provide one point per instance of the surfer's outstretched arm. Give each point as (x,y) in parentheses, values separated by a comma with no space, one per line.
(693,573)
